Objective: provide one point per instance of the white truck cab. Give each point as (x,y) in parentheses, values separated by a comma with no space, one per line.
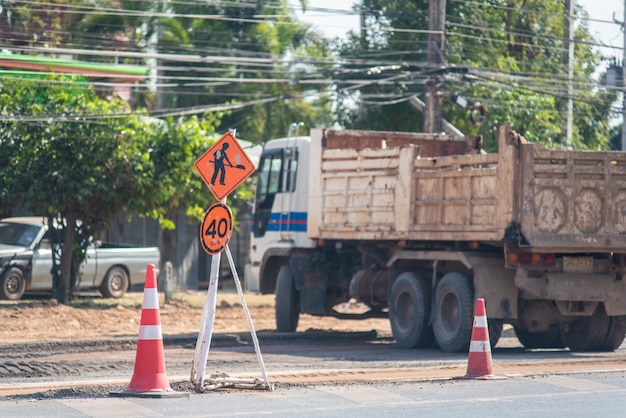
(279,219)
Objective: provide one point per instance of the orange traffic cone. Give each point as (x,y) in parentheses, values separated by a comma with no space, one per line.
(479,361)
(149,378)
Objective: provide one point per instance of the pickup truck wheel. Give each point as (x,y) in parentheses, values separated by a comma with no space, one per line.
(409,311)
(542,339)
(454,316)
(587,333)
(115,283)
(615,335)
(287,305)
(13,284)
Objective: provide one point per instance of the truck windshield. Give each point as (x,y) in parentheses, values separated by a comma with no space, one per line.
(269,176)
(17,234)
(268,185)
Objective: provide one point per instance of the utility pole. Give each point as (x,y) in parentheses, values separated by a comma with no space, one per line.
(568,34)
(623,84)
(436,38)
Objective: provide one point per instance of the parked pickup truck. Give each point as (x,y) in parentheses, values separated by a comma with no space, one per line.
(26,262)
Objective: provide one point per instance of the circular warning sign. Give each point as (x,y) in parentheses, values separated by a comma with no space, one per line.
(216,228)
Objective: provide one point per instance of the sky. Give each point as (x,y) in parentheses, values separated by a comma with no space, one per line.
(335,21)
(608,33)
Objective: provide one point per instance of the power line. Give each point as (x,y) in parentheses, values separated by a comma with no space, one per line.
(266,62)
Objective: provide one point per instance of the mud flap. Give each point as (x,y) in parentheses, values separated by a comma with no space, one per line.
(311,278)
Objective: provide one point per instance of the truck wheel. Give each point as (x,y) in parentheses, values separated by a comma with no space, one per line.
(409,311)
(454,316)
(495,330)
(615,335)
(543,339)
(287,306)
(13,284)
(587,333)
(115,283)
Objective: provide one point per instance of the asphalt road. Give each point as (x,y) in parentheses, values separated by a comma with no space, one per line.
(321,374)
(299,358)
(559,395)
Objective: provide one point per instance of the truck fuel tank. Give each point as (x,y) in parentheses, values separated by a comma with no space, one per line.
(370,286)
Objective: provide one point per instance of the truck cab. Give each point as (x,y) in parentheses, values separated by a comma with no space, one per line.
(279,218)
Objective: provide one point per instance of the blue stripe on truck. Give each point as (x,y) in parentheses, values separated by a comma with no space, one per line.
(294,221)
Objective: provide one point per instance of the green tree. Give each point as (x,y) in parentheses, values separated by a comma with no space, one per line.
(265,68)
(35,24)
(255,65)
(512,54)
(78,160)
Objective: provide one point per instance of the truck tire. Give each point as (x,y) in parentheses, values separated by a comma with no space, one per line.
(13,284)
(615,335)
(287,306)
(409,311)
(543,339)
(115,283)
(587,333)
(495,331)
(454,316)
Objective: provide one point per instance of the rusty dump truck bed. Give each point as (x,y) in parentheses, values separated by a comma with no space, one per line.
(368,185)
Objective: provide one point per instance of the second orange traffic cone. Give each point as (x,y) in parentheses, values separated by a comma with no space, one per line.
(479,364)
(149,378)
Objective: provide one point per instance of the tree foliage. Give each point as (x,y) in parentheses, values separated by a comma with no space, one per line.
(83,169)
(24,24)
(513,54)
(263,61)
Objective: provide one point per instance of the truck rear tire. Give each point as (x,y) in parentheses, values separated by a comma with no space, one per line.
(454,316)
(287,305)
(615,335)
(587,333)
(543,339)
(409,311)
(13,284)
(115,283)
(495,330)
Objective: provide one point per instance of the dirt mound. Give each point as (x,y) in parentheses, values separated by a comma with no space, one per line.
(93,317)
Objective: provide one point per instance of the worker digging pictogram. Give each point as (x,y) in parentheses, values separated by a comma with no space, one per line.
(224,166)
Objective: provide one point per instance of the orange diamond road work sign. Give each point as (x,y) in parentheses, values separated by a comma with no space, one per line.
(216,228)
(224,166)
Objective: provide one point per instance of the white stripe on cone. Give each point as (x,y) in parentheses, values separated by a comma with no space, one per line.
(480,322)
(150,332)
(150,298)
(480,347)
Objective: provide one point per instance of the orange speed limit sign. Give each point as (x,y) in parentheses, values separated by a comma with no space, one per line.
(216,228)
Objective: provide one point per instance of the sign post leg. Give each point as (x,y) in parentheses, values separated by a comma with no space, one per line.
(206,327)
(248,317)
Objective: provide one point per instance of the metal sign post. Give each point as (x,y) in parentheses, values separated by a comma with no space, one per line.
(203,344)
(255,340)
(222,176)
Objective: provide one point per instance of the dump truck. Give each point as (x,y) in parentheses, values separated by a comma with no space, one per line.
(418,226)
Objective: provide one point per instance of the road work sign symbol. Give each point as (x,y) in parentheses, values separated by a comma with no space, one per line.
(224,166)
(216,228)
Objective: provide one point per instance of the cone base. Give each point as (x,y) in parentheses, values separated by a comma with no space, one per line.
(483,377)
(169,394)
